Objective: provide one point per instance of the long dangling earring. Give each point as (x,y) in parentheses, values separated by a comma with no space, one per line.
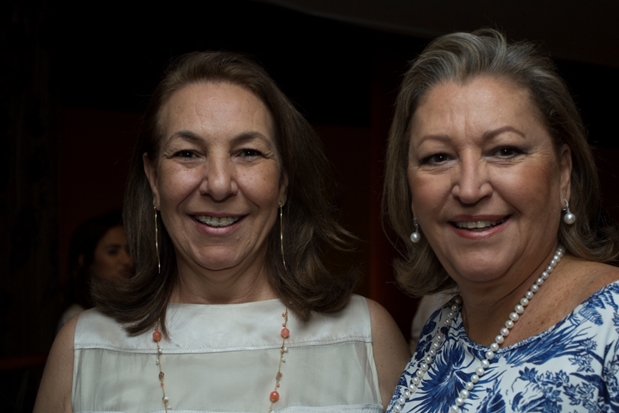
(568,218)
(415,236)
(157,239)
(281,233)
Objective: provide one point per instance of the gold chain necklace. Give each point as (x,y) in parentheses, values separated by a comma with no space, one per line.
(273,396)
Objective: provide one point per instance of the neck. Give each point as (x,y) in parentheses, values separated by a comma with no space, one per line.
(227,286)
(486,308)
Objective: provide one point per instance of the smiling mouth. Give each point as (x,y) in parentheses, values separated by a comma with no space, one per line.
(217,221)
(478,225)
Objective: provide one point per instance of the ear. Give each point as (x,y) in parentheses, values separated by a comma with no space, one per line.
(151,174)
(283,190)
(565,169)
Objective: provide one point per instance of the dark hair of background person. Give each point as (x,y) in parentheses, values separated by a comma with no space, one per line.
(309,226)
(82,256)
(461,57)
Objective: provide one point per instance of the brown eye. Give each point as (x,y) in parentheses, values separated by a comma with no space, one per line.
(184,154)
(507,152)
(113,252)
(436,159)
(250,153)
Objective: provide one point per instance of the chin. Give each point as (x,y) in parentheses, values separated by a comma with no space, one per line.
(481,276)
(479,269)
(219,264)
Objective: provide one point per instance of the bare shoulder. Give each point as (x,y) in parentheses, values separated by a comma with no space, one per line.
(381,320)
(594,276)
(55,390)
(391,352)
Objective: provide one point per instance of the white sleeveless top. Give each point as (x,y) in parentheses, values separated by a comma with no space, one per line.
(223,358)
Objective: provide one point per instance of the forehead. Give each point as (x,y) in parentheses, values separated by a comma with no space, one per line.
(483,86)
(480,102)
(113,235)
(214,105)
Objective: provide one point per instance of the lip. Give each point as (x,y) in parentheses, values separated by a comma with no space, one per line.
(499,223)
(217,230)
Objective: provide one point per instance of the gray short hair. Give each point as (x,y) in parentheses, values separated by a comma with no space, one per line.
(461,57)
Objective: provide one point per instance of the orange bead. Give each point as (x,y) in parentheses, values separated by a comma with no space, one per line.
(285,332)
(274,396)
(157,336)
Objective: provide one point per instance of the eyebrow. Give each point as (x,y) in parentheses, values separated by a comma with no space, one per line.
(114,245)
(195,138)
(486,136)
(491,134)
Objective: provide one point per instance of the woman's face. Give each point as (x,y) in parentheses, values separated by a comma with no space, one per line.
(487,183)
(111,258)
(218,179)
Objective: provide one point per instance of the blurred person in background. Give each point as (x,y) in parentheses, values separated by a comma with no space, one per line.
(98,250)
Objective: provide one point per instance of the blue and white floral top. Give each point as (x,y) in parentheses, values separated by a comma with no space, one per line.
(571,367)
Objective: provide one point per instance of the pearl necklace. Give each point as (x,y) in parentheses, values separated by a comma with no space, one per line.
(273,396)
(441,335)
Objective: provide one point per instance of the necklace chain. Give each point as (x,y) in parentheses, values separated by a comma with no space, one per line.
(273,396)
(443,331)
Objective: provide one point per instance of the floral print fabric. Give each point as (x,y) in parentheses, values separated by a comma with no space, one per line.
(572,367)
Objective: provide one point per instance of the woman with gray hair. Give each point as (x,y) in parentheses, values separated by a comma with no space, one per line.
(493,191)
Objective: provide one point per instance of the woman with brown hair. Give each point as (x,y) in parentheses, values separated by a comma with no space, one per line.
(231,308)
(493,191)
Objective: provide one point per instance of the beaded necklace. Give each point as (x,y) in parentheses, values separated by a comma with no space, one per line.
(273,396)
(443,331)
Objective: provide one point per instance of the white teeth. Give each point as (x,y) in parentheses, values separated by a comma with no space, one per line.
(217,221)
(478,224)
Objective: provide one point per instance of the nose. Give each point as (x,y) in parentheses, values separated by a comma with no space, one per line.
(218,179)
(472,182)
(125,258)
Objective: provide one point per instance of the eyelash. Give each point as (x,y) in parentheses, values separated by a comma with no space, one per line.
(185,153)
(513,152)
(250,153)
(432,159)
(243,153)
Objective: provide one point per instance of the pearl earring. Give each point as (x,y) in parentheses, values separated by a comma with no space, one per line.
(415,236)
(568,218)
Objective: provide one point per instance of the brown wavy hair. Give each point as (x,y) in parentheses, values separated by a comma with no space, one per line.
(309,225)
(461,57)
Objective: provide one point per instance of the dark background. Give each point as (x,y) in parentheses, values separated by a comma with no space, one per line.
(75,77)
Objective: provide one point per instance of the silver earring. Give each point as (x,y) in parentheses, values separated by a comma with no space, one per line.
(157,239)
(281,233)
(415,236)
(568,218)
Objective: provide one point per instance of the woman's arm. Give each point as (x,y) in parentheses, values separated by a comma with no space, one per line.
(391,352)
(55,390)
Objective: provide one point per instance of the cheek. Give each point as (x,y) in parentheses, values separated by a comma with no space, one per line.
(262,186)
(175,185)
(532,187)
(103,263)
(427,192)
